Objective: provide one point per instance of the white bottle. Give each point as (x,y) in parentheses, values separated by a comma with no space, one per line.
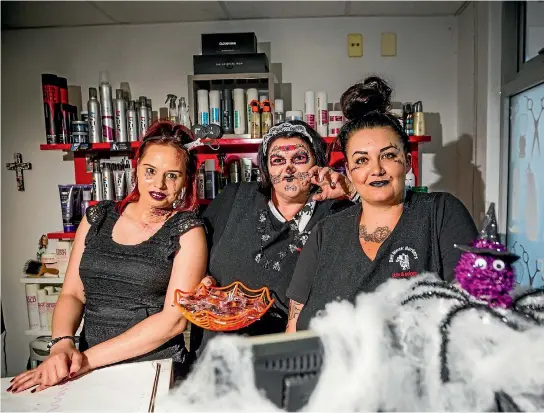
(203,107)
(240,110)
(410,180)
(32,305)
(309,109)
(215,107)
(183,113)
(322,121)
(42,308)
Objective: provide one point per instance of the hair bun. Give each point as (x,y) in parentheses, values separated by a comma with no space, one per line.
(373,94)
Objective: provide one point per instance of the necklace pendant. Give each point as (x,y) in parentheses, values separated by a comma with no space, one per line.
(276,266)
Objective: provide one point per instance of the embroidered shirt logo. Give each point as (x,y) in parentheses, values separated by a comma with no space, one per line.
(404,257)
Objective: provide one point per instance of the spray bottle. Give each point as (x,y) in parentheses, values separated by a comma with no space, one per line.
(107,182)
(255,119)
(107,110)
(98,186)
(132,122)
(120,117)
(149,112)
(183,113)
(144,116)
(171,100)
(266,117)
(95,117)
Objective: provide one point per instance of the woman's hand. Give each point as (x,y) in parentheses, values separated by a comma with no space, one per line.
(333,185)
(64,362)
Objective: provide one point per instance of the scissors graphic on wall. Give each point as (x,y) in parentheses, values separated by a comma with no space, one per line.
(536,120)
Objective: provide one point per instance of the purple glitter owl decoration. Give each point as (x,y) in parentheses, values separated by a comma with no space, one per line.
(485,268)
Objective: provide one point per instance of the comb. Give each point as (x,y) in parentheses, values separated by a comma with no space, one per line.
(35,268)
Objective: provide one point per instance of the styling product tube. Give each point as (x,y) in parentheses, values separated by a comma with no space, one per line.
(66,193)
(130,176)
(309,108)
(211,178)
(132,122)
(252,94)
(279,117)
(119,179)
(234,172)
(215,107)
(201,183)
(322,123)
(203,107)
(227,112)
(144,117)
(246,164)
(107,182)
(95,117)
(149,105)
(255,129)
(240,111)
(266,117)
(63,90)
(120,106)
(87,197)
(51,96)
(50,301)
(62,252)
(42,308)
(98,186)
(293,115)
(77,199)
(108,128)
(32,305)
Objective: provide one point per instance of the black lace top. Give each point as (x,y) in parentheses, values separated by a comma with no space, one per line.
(124,284)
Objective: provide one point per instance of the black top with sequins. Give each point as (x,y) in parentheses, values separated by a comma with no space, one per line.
(124,284)
(236,232)
(333,265)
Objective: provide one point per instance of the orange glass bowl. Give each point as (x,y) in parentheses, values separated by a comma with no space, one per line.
(224,308)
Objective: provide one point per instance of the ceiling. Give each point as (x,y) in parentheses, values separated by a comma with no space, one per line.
(33,14)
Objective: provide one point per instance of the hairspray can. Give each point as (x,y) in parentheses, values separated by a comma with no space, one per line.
(215,107)
(278,111)
(137,110)
(98,186)
(252,95)
(211,178)
(51,96)
(149,113)
(203,107)
(95,117)
(63,90)
(201,183)
(132,122)
(108,128)
(322,114)
(240,112)
(309,108)
(107,182)
(144,117)
(64,114)
(120,117)
(226,112)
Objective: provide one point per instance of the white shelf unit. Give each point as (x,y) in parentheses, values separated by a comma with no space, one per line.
(42,280)
(43,332)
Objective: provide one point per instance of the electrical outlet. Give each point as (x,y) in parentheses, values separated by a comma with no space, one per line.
(389,44)
(355,45)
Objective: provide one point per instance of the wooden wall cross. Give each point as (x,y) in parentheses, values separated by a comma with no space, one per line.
(19,166)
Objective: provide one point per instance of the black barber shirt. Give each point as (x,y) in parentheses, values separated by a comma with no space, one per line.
(231,221)
(333,265)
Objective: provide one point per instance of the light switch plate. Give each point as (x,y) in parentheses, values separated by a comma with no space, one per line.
(389,44)
(355,45)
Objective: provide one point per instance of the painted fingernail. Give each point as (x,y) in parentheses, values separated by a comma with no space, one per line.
(33,391)
(11,381)
(9,388)
(71,375)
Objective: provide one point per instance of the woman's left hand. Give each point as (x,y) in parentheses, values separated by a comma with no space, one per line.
(333,185)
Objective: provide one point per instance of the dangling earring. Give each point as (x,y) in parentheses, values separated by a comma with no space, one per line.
(177,202)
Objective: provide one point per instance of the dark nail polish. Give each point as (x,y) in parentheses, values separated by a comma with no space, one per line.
(9,388)
(11,381)
(33,391)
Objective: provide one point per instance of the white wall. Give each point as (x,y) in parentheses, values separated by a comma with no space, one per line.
(156,60)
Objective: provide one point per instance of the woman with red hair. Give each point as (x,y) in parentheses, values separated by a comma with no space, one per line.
(127,260)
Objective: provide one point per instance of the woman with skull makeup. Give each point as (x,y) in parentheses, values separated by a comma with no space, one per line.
(126,263)
(257,230)
(391,233)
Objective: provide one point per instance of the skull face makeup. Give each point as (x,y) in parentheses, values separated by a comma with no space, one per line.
(289,160)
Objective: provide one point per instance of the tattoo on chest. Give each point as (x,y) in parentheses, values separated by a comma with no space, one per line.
(379,235)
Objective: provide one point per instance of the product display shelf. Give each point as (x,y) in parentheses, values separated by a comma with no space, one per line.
(42,280)
(47,332)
